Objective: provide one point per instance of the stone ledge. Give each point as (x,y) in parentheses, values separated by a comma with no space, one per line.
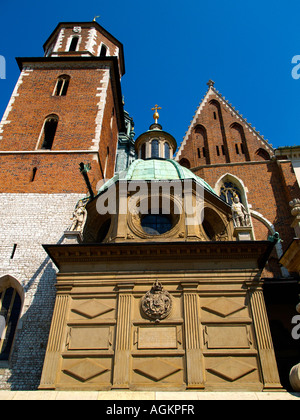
(147,395)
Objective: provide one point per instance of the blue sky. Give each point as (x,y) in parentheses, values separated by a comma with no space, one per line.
(172,48)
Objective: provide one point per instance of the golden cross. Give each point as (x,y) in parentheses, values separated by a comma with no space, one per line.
(156,114)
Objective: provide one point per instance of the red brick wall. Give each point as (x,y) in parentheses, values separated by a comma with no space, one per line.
(77,112)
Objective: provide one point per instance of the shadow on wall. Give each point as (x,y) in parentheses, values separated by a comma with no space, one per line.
(29,349)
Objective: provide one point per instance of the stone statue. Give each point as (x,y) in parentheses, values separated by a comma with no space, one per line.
(79,218)
(239,213)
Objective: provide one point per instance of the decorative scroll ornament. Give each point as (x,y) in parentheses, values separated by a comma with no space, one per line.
(157,303)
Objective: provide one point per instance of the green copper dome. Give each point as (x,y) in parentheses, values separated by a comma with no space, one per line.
(155,169)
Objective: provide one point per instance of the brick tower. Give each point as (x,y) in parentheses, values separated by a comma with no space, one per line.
(66,110)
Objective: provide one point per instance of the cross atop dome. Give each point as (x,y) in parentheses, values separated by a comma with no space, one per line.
(156,114)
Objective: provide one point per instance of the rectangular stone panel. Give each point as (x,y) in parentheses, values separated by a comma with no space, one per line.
(157,338)
(227,337)
(84,337)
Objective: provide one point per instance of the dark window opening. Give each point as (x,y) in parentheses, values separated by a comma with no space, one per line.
(10,308)
(13,251)
(49,132)
(33,174)
(215,116)
(62,86)
(203,152)
(156,224)
(103,51)
(167,151)
(218,151)
(237,149)
(223,149)
(199,154)
(154,149)
(143,151)
(74,43)
(242,149)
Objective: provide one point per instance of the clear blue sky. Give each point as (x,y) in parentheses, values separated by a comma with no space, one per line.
(172,48)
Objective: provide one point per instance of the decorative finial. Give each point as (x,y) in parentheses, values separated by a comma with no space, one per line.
(210,83)
(156,114)
(94,20)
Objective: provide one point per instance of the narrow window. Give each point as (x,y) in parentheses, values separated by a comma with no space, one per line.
(154,149)
(13,251)
(62,85)
(10,308)
(143,151)
(203,152)
(215,116)
(199,154)
(33,174)
(167,151)
(103,51)
(74,43)
(223,149)
(242,148)
(218,151)
(49,131)
(237,149)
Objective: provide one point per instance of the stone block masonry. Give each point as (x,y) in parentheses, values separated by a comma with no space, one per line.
(27,221)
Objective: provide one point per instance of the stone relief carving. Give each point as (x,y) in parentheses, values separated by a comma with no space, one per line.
(157,303)
(239,213)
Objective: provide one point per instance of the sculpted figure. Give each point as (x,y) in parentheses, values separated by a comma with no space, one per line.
(239,213)
(79,218)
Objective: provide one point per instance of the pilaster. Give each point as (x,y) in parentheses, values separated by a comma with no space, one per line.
(266,352)
(194,355)
(54,347)
(123,338)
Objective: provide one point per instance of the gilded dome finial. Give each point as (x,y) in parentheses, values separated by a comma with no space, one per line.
(156,114)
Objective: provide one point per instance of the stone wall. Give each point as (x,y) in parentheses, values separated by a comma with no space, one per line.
(27,221)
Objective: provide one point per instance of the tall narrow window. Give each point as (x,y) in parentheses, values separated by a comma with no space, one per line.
(62,85)
(154,149)
(218,151)
(33,174)
(143,151)
(10,308)
(103,51)
(237,149)
(167,151)
(49,131)
(199,154)
(74,43)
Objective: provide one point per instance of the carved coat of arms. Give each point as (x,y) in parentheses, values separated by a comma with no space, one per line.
(157,303)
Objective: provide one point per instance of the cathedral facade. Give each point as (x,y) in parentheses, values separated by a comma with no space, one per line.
(138,263)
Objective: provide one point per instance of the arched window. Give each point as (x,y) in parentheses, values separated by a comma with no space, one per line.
(103,51)
(228,190)
(262,154)
(62,85)
(48,133)
(10,309)
(154,149)
(74,43)
(167,151)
